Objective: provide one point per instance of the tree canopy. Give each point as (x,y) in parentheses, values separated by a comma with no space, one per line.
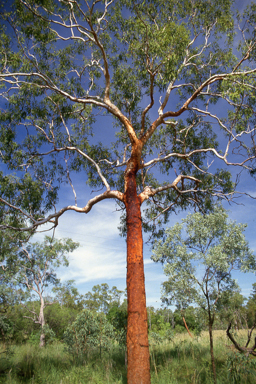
(122,92)
(162,71)
(199,256)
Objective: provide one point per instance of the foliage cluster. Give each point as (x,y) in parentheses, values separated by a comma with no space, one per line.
(90,330)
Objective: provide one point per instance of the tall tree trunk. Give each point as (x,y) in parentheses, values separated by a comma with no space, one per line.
(42,339)
(42,323)
(138,369)
(211,349)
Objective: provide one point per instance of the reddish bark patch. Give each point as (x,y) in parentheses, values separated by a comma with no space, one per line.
(137,327)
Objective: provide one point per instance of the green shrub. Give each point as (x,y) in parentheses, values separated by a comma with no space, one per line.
(239,367)
(90,331)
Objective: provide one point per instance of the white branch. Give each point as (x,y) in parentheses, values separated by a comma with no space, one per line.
(53,218)
(149,192)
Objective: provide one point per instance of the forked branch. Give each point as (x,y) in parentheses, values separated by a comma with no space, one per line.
(248,351)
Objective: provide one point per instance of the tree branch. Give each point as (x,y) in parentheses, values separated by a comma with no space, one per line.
(53,218)
(150,192)
(245,349)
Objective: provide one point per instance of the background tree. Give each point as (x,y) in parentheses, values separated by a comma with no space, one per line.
(117,316)
(251,307)
(102,298)
(230,307)
(67,295)
(36,266)
(90,329)
(211,243)
(66,304)
(10,242)
(161,70)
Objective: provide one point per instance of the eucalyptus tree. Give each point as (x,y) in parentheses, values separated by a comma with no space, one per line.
(35,266)
(231,307)
(67,295)
(90,330)
(102,298)
(251,306)
(10,241)
(199,256)
(164,80)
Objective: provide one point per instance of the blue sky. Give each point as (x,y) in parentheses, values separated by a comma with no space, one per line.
(101,257)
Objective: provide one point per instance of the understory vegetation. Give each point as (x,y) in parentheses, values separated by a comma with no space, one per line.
(181,360)
(85,340)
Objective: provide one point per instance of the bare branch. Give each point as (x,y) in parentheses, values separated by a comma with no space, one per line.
(30,310)
(197,92)
(204,150)
(150,105)
(54,217)
(250,351)
(149,192)
(246,56)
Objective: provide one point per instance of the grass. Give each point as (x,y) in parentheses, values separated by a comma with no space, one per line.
(29,364)
(183,360)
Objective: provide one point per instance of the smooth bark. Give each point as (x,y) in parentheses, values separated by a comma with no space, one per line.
(41,321)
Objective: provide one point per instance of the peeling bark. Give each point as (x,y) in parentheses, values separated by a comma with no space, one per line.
(138,370)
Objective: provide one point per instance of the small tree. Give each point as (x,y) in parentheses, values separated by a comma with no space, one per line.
(251,306)
(117,316)
(230,307)
(89,330)
(10,242)
(35,270)
(214,245)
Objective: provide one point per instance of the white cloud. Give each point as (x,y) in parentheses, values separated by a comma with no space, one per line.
(88,264)
(101,257)
(102,252)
